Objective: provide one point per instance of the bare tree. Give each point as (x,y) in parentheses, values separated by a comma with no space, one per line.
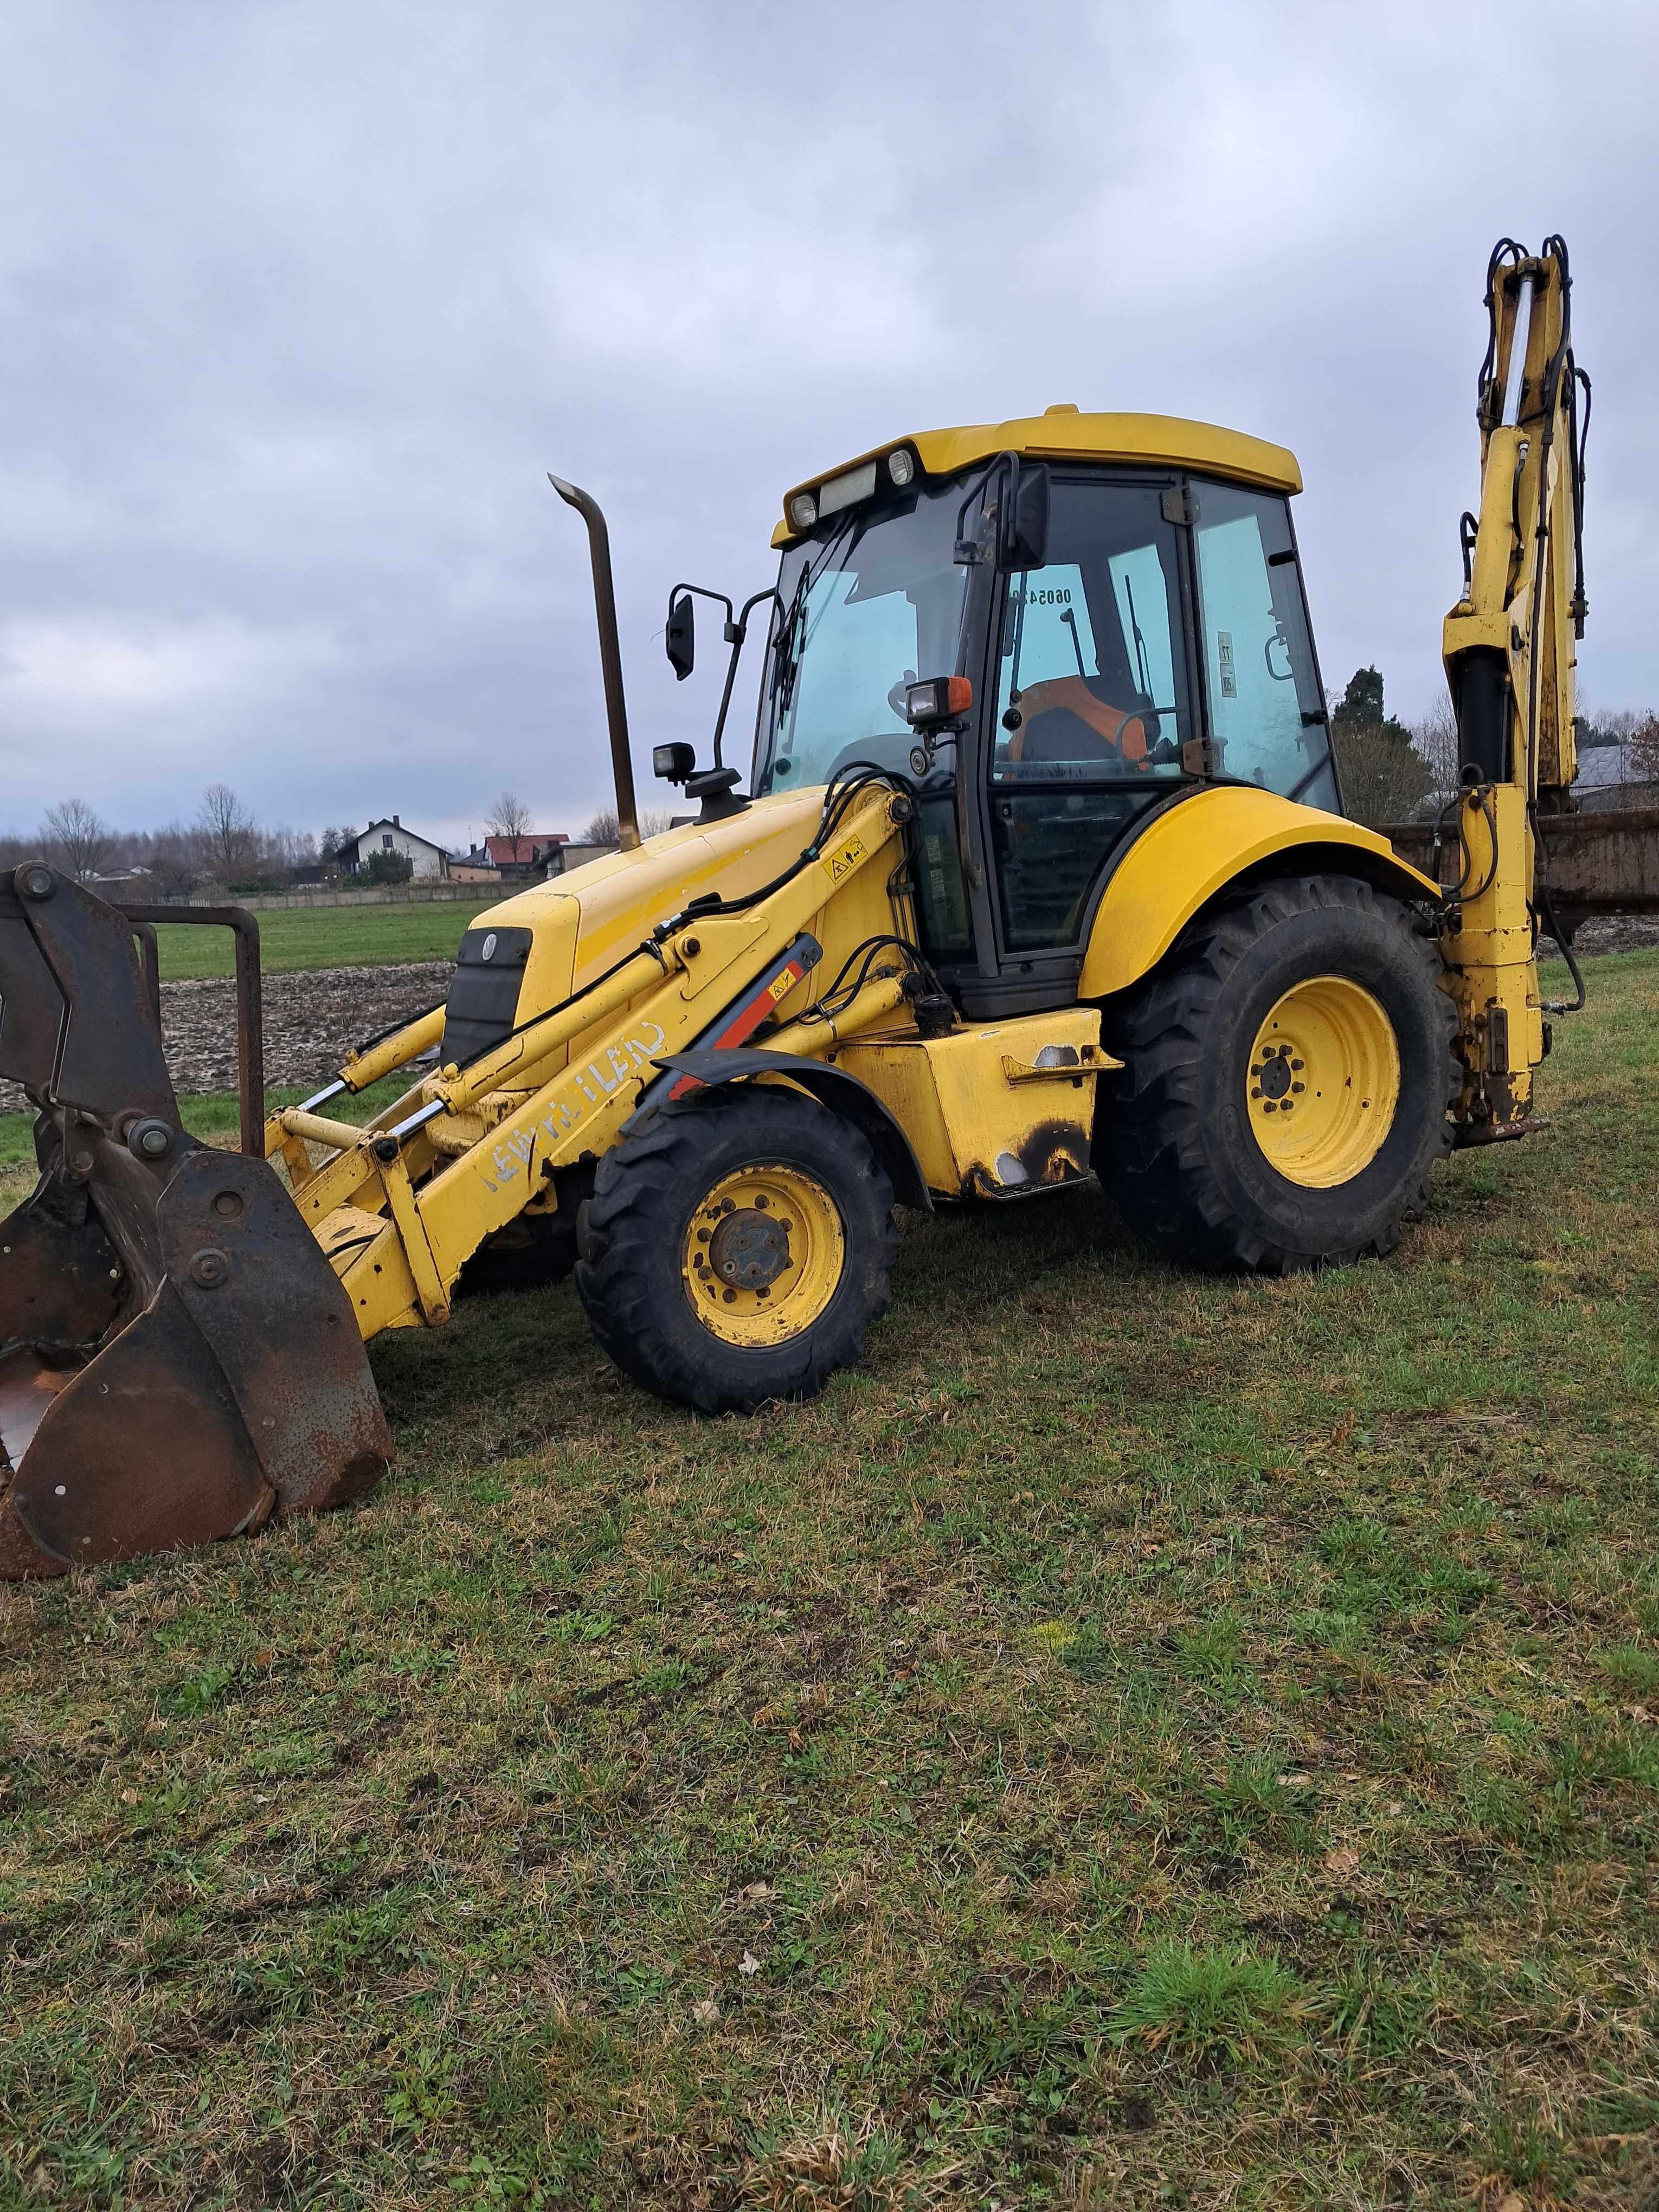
(83,840)
(1384,778)
(229,830)
(509,816)
(1435,736)
(603,828)
(1645,749)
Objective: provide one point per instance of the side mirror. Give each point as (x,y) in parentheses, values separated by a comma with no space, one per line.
(680,639)
(1023,530)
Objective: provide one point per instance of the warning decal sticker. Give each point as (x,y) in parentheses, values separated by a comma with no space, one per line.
(843,863)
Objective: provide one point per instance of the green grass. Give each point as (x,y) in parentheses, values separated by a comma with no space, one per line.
(324,937)
(1145,1740)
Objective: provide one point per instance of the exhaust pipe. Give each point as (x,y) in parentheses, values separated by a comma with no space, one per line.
(616,706)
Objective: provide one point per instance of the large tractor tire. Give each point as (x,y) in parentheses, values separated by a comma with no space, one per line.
(736,1247)
(1288,1070)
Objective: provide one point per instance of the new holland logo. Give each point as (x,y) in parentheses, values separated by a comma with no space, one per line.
(843,863)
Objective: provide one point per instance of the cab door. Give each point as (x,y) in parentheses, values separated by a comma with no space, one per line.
(1093,696)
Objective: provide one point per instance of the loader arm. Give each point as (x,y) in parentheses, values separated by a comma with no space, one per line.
(1510,656)
(402,1204)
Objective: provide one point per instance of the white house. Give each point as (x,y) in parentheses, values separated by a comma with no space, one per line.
(429,861)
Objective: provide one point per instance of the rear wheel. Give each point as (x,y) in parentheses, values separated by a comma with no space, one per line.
(736,1247)
(1288,1073)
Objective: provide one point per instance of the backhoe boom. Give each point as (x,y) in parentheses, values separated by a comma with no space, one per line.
(1511,663)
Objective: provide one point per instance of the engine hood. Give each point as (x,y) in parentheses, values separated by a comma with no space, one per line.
(582,923)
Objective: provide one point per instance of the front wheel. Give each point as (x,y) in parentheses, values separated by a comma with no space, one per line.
(736,1247)
(1288,1070)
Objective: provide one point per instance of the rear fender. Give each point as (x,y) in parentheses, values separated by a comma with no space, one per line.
(833,1087)
(1187,853)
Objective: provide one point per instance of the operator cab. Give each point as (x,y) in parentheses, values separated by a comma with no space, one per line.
(1123,595)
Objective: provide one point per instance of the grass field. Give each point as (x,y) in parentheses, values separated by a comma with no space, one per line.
(1143,1741)
(324,937)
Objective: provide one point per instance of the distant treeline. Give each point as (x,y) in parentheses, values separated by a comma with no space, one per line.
(224,846)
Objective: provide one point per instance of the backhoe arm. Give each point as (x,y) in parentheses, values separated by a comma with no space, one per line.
(1508,650)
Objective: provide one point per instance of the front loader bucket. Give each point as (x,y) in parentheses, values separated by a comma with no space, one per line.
(178,1360)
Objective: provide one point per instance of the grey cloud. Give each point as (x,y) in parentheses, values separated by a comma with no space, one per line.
(302,300)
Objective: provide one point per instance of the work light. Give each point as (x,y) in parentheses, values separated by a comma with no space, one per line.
(940,699)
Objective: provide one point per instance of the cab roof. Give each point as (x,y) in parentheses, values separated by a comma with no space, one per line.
(1066,433)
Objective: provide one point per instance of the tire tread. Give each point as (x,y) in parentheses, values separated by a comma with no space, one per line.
(1151,1148)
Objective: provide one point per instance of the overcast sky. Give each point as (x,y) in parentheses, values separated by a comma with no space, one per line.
(303,298)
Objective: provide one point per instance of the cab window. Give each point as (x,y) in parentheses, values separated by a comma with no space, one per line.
(1258,655)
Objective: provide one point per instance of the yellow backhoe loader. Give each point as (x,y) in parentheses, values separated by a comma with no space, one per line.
(1042,871)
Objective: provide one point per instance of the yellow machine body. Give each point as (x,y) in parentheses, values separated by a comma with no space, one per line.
(996,1108)
(997,1111)
(1019,1093)
(1187,857)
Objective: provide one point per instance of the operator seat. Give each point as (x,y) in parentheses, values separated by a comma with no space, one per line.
(1070,718)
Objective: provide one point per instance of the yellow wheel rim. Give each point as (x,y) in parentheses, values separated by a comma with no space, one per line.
(762,1255)
(1324,1083)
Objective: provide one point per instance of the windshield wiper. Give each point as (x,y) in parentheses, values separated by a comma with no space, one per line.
(790,639)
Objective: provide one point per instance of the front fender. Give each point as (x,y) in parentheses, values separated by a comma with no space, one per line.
(1189,852)
(833,1087)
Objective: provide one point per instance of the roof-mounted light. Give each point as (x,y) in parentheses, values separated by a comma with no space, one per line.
(803,511)
(901,466)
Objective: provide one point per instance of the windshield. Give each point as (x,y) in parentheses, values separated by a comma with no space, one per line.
(873,601)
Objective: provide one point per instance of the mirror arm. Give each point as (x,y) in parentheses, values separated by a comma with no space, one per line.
(736,631)
(701,592)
